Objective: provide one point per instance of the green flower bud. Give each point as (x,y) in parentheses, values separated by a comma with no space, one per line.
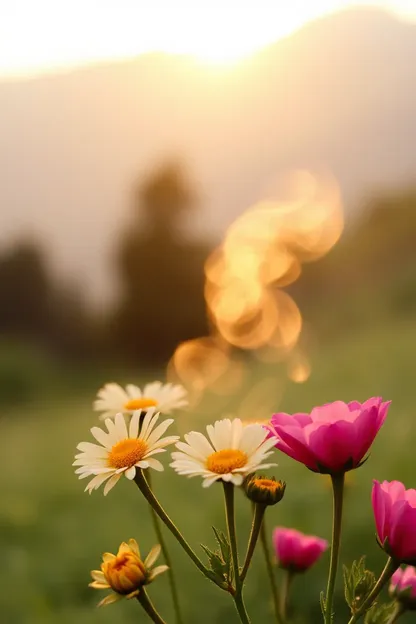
(264,490)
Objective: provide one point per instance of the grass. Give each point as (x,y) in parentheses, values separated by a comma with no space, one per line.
(52,534)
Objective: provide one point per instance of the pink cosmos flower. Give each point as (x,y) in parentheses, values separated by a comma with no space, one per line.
(333,438)
(403,586)
(395,515)
(295,551)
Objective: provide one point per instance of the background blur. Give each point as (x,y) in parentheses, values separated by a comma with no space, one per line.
(223,194)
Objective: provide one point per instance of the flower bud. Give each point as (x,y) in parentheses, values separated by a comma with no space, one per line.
(295,551)
(126,573)
(403,587)
(264,490)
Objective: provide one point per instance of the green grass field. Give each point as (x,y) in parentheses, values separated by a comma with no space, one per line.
(52,534)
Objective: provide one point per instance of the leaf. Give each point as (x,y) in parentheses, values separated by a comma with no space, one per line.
(358,583)
(225,548)
(348,586)
(380,614)
(215,562)
(220,559)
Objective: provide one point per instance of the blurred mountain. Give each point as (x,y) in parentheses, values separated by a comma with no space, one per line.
(340,93)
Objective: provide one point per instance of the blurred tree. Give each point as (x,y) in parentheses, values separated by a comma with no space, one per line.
(24,290)
(39,310)
(161,273)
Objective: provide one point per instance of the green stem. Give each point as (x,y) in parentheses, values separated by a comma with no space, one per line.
(270,571)
(154,503)
(284,599)
(389,569)
(254,534)
(400,609)
(147,605)
(338,496)
(230,515)
(168,561)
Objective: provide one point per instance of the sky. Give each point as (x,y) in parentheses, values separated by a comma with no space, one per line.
(43,35)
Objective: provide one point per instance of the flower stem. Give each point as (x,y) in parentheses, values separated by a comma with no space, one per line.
(338,497)
(284,599)
(230,515)
(389,569)
(254,534)
(147,605)
(168,561)
(152,500)
(270,571)
(400,609)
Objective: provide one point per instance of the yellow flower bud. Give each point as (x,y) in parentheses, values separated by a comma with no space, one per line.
(124,572)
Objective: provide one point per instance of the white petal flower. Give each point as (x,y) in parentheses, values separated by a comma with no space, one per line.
(112,398)
(122,449)
(231,453)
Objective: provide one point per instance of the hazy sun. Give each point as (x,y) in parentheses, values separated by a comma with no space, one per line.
(44,35)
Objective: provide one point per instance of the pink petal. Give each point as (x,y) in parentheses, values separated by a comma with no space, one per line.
(373,402)
(395,490)
(381,508)
(366,426)
(331,412)
(312,549)
(292,442)
(396,579)
(332,444)
(403,531)
(382,413)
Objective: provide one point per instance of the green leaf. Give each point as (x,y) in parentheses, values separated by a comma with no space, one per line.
(220,559)
(225,549)
(380,614)
(358,583)
(215,562)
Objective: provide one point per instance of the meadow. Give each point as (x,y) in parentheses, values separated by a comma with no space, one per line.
(52,534)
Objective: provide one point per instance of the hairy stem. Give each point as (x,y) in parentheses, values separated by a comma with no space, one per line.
(270,571)
(154,503)
(284,599)
(168,560)
(147,605)
(230,515)
(338,497)
(254,534)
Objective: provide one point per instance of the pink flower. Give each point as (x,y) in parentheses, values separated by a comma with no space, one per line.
(333,438)
(295,551)
(395,515)
(403,586)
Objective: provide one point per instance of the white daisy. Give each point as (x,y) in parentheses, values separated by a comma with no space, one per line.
(121,450)
(112,398)
(233,452)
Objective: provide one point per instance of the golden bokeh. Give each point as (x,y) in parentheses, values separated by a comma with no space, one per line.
(262,252)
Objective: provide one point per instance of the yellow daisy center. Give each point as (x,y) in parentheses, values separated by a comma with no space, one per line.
(267,484)
(136,404)
(226,460)
(126,453)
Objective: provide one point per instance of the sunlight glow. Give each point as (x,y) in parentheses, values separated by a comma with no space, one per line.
(45,35)
(262,252)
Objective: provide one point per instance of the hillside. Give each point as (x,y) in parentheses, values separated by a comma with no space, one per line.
(341,93)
